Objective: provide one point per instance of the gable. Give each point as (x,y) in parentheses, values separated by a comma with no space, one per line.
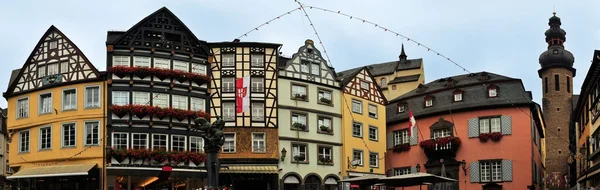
(371,92)
(162,30)
(308,64)
(55,60)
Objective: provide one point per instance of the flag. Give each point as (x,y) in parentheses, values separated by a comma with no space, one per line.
(411,123)
(242,95)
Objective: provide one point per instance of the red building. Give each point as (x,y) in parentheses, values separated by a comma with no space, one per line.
(481,129)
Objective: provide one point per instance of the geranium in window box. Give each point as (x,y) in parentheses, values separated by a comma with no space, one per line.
(401,147)
(180,75)
(143,72)
(495,136)
(122,71)
(299,97)
(118,154)
(197,114)
(325,100)
(197,158)
(199,79)
(161,113)
(324,128)
(141,111)
(179,114)
(323,160)
(120,111)
(483,137)
(441,147)
(298,126)
(159,155)
(177,157)
(298,158)
(138,154)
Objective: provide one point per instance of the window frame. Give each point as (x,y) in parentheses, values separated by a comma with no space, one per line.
(360,104)
(160,60)
(147,139)
(306,152)
(306,92)
(113,95)
(232,61)
(376,159)
(401,138)
(324,155)
(493,89)
(324,91)
(231,85)
(200,147)
(383,82)
(119,59)
(62,135)
(166,140)
(232,109)
(86,130)
(402,171)
(136,58)
(489,121)
(198,68)
(234,143)
(428,102)
(306,126)
(260,84)
(260,57)
(53,43)
(458,94)
(376,115)
(201,102)
(321,119)
(64,65)
(63,102)
(155,97)
(376,133)
(135,98)
(401,108)
(312,67)
(187,65)
(85,97)
(363,83)
(19,108)
(361,129)
(55,69)
(41,138)
(362,156)
(28,141)
(184,142)
(41,71)
(260,109)
(491,172)
(176,102)
(112,139)
(41,103)
(264,142)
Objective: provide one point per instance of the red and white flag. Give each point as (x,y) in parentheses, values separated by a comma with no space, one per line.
(242,94)
(411,123)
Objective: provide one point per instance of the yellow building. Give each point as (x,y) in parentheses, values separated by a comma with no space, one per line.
(395,78)
(54,118)
(364,125)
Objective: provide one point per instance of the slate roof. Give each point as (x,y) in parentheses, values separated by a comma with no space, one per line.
(282,62)
(13,76)
(409,78)
(112,36)
(349,76)
(511,92)
(574,101)
(387,68)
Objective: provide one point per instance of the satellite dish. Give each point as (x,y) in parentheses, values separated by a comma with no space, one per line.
(355,162)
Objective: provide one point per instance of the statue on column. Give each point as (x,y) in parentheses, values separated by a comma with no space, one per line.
(213,140)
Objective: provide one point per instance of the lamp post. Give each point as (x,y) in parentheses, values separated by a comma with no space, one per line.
(418,168)
(213,138)
(283,154)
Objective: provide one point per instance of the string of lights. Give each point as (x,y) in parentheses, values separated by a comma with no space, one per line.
(266,23)
(316,33)
(66,159)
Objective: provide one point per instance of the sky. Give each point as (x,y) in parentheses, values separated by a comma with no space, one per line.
(503,37)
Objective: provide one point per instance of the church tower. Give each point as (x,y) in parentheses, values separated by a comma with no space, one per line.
(557,74)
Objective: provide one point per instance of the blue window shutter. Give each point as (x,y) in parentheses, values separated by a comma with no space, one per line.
(474,172)
(473,127)
(507,173)
(414,139)
(506,124)
(390,140)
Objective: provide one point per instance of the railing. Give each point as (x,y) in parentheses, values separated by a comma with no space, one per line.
(441,147)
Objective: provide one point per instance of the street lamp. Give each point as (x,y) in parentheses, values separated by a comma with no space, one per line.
(418,168)
(464,166)
(283,154)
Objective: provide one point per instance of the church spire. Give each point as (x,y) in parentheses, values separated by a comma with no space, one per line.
(402,54)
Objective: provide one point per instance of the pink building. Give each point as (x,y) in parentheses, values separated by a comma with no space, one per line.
(481,129)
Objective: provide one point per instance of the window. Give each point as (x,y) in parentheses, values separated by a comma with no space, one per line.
(357,156)
(160,100)
(568,84)
(373,133)
(258,142)
(458,96)
(356,106)
(401,171)
(324,123)
(120,98)
(180,102)
(324,154)
(196,144)
(160,141)
(229,145)
(304,66)
(298,90)
(357,129)
(401,108)
(180,65)
(299,153)
(53,69)
(556,84)
(228,60)
(197,104)
(121,61)
(383,83)
(178,142)
(394,87)
(45,138)
(120,140)
(70,99)
(45,103)
(53,44)
(228,111)
(492,92)
(440,133)
(299,118)
(372,111)
(141,98)
(23,108)
(198,68)
(257,84)
(24,141)
(258,111)
(490,171)
(41,71)
(545,84)
(401,137)
(315,69)
(162,63)
(92,133)
(373,159)
(489,125)
(324,96)
(257,60)
(7,167)
(364,85)
(228,84)
(64,67)
(428,102)
(68,135)
(92,97)
(141,61)
(139,141)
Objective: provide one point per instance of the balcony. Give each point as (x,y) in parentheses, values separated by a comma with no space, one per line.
(441,147)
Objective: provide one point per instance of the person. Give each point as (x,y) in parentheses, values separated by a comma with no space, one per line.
(224,187)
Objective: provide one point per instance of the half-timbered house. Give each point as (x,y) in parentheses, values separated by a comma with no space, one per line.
(158,79)
(310,119)
(250,151)
(54,118)
(363,124)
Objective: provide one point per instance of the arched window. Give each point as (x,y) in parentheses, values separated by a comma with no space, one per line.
(383,83)
(291,183)
(312,183)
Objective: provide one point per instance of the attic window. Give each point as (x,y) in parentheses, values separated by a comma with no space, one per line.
(364,85)
(401,108)
(457,95)
(484,76)
(428,101)
(53,45)
(492,91)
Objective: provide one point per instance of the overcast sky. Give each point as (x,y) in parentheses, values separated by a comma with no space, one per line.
(504,37)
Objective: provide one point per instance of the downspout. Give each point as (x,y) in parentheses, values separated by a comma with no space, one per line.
(104,175)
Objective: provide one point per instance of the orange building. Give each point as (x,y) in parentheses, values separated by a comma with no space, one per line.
(481,129)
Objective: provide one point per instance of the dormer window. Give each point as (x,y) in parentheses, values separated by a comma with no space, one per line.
(428,101)
(401,108)
(484,76)
(383,83)
(458,97)
(492,91)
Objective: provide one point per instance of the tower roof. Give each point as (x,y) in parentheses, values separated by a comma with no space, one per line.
(556,56)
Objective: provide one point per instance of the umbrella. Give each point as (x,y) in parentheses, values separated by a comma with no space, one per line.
(413,179)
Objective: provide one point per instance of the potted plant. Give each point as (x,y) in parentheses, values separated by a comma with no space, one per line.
(401,147)
(159,155)
(483,137)
(324,160)
(118,154)
(495,136)
(298,158)
(325,100)
(298,126)
(325,128)
(300,96)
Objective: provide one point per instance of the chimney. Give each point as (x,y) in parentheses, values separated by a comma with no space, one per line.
(236,40)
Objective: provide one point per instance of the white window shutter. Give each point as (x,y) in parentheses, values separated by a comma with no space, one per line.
(473,127)
(506,124)
(474,172)
(507,173)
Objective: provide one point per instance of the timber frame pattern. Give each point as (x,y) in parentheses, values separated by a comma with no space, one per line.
(310,56)
(54,50)
(242,66)
(372,93)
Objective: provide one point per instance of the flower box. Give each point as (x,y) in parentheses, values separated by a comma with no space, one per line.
(299,158)
(324,128)
(120,111)
(160,73)
(483,137)
(118,154)
(401,147)
(299,97)
(298,126)
(325,100)
(142,110)
(441,147)
(324,160)
(122,71)
(143,72)
(496,136)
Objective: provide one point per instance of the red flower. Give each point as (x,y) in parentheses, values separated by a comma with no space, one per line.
(197,157)
(495,136)
(122,70)
(159,155)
